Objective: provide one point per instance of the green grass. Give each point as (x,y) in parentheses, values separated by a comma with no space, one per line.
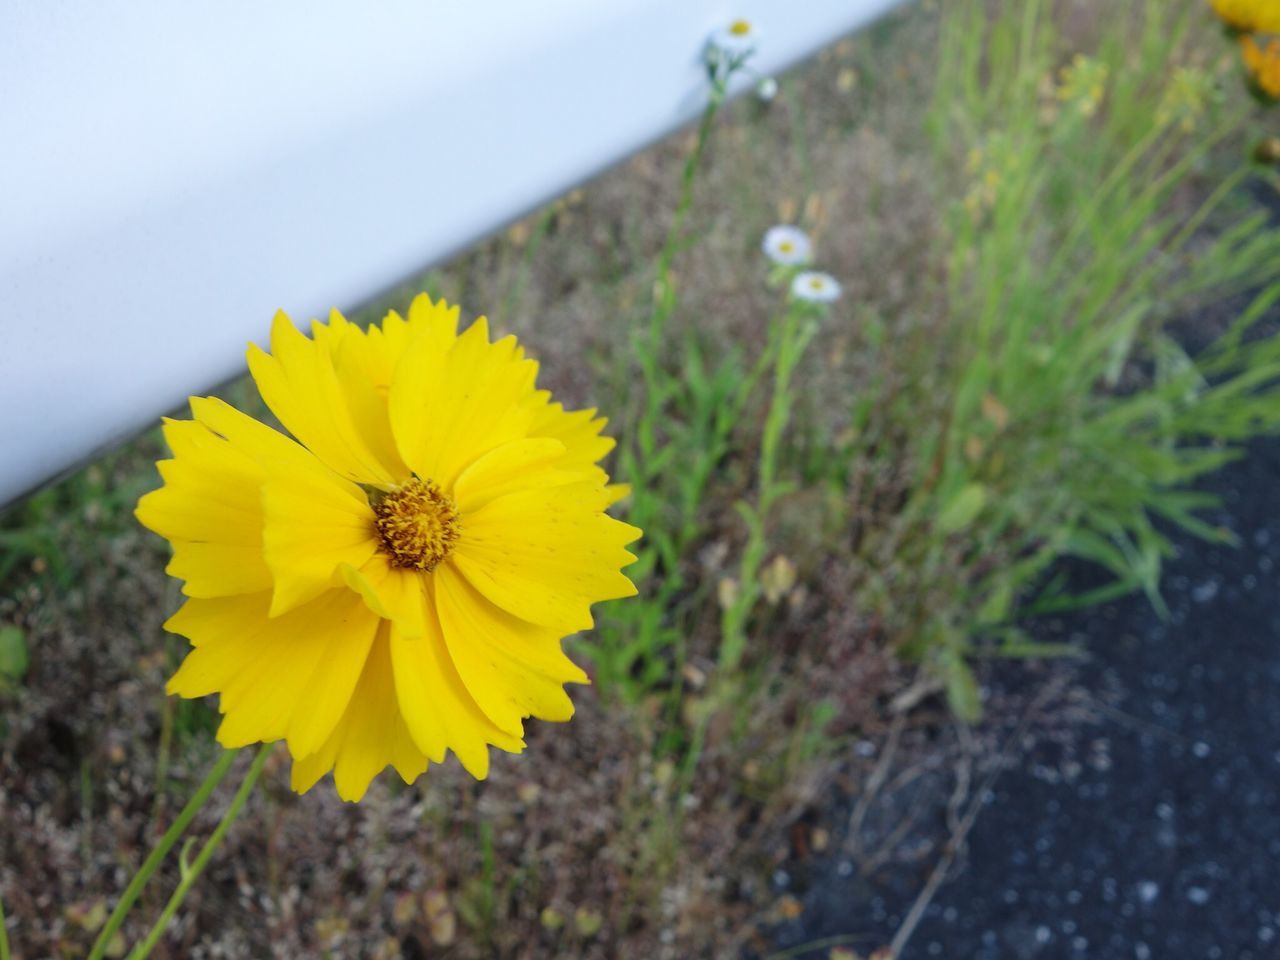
(1062,419)
(1047,414)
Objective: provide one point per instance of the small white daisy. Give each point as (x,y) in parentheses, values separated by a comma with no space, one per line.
(786,245)
(816,287)
(767,89)
(736,40)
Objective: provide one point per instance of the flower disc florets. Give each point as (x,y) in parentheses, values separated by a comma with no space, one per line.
(418,525)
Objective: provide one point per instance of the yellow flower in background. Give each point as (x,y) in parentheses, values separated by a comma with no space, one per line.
(1186,98)
(1082,84)
(394,581)
(1249,16)
(1263,64)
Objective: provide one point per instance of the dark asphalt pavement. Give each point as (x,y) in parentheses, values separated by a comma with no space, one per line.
(1157,839)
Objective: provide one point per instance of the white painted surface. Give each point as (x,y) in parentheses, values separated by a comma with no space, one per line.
(174,172)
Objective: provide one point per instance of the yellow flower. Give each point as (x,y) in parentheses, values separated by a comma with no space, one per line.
(1187,96)
(1249,15)
(396,580)
(1082,84)
(1263,64)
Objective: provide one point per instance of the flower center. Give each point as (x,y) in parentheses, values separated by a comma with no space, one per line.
(786,246)
(418,525)
(740,28)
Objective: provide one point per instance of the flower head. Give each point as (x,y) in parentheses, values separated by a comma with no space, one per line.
(1263,64)
(1081,84)
(786,245)
(1249,16)
(1186,97)
(816,287)
(393,581)
(767,89)
(736,40)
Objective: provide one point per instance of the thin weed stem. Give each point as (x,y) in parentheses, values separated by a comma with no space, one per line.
(672,426)
(4,935)
(191,873)
(171,836)
(794,331)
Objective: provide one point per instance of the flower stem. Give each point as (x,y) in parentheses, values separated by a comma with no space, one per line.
(794,331)
(651,427)
(664,297)
(4,935)
(191,873)
(166,843)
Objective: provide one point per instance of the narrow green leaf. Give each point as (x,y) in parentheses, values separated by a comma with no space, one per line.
(13,654)
(962,689)
(963,508)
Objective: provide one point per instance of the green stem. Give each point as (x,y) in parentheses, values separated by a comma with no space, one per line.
(192,873)
(664,297)
(792,338)
(166,843)
(641,467)
(4,935)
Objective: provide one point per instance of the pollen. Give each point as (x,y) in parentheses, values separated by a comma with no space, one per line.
(740,28)
(418,525)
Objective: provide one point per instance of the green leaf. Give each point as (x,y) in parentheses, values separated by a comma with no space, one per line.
(13,654)
(1017,644)
(995,609)
(1038,651)
(963,508)
(962,688)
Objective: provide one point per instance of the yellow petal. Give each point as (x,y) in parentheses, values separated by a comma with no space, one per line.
(256,439)
(371,734)
(218,569)
(511,668)
(450,406)
(390,591)
(210,491)
(287,677)
(436,321)
(439,712)
(210,509)
(578,430)
(362,382)
(518,465)
(314,523)
(298,382)
(546,555)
